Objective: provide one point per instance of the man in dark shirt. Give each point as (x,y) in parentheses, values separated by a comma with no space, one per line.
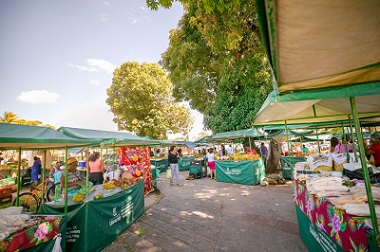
(173,165)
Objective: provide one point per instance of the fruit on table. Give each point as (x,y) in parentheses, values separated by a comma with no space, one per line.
(79,197)
(109,185)
(98,196)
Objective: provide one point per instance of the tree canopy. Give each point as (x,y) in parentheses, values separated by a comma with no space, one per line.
(216,61)
(140,98)
(10,117)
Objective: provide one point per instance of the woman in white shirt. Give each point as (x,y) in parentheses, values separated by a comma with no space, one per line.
(211,163)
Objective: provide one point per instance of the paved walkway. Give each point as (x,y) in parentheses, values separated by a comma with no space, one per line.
(206,215)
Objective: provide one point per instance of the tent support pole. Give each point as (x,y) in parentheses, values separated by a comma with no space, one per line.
(66,179)
(353,142)
(319,147)
(18,178)
(43,178)
(365,169)
(290,148)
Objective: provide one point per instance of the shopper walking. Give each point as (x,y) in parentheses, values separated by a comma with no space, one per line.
(173,165)
(211,163)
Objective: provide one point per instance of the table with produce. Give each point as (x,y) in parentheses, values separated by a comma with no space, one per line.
(104,212)
(247,169)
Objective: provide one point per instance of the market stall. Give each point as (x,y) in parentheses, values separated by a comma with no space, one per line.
(322,82)
(132,151)
(103,218)
(249,172)
(22,137)
(326,227)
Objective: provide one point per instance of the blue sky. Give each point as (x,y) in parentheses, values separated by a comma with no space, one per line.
(57,57)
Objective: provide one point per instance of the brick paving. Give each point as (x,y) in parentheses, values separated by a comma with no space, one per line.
(206,215)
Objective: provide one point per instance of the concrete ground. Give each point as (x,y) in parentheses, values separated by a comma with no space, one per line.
(206,215)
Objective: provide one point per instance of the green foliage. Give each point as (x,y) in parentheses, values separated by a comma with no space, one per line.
(10,117)
(217,63)
(141,100)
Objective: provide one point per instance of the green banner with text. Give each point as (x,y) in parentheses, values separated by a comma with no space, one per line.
(249,172)
(94,225)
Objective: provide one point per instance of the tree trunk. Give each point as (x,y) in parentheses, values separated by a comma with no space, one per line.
(273,159)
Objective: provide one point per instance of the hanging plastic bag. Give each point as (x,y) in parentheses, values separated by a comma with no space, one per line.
(169,173)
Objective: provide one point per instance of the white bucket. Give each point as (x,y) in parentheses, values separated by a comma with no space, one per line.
(113,175)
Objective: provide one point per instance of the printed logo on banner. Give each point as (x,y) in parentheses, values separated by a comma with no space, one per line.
(126,211)
(233,171)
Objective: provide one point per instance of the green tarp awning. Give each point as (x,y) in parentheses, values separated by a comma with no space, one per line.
(14,136)
(320,44)
(231,135)
(109,137)
(296,110)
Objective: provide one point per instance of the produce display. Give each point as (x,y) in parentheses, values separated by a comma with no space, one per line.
(79,197)
(240,157)
(98,196)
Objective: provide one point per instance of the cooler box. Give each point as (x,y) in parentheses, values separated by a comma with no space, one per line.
(196,171)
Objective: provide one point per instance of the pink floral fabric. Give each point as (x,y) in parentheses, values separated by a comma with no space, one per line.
(46,229)
(346,230)
(137,161)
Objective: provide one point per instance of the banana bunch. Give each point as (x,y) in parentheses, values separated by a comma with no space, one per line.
(98,196)
(79,197)
(109,185)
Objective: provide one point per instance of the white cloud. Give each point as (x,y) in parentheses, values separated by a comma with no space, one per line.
(102,65)
(84,68)
(107,3)
(38,96)
(96,65)
(95,82)
(104,18)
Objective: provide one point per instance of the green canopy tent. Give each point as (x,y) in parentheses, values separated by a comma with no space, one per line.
(14,136)
(109,138)
(24,137)
(231,135)
(329,50)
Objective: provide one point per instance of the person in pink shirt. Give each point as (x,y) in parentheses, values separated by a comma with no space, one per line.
(96,169)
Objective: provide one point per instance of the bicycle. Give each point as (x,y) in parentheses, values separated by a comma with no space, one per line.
(31,201)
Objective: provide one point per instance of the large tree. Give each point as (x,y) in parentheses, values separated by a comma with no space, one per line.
(140,98)
(216,61)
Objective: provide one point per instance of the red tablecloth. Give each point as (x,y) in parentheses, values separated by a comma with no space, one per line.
(46,229)
(346,230)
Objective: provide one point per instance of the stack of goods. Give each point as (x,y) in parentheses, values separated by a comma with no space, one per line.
(320,162)
(327,186)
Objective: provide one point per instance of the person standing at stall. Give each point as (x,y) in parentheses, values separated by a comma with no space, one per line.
(36,170)
(173,165)
(74,178)
(211,162)
(95,169)
(374,148)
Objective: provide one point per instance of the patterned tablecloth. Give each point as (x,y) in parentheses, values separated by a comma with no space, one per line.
(346,230)
(45,229)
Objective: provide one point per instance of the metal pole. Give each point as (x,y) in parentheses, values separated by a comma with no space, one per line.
(18,177)
(290,148)
(353,140)
(365,170)
(66,174)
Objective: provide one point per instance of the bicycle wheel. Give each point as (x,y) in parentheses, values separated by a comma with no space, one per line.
(51,192)
(29,202)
